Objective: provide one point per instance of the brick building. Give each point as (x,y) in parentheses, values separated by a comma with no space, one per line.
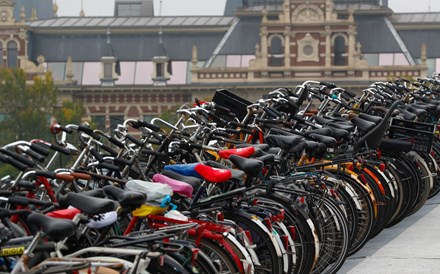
(137,65)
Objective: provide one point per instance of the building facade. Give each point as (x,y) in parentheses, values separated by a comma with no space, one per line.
(138,65)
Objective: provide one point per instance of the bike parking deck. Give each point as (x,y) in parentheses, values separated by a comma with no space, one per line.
(411,246)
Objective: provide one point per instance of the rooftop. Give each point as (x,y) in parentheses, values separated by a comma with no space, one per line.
(411,18)
(127,22)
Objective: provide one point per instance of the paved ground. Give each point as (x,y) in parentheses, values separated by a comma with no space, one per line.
(412,246)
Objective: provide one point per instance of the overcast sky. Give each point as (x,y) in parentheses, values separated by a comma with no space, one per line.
(208,7)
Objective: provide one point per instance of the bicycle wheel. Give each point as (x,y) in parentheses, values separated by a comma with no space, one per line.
(304,232)
(365,209)
(334,236)
(265,248)
(426,180)
(202,264)
(408,190)
(435,156)
(168,265)
(219,256)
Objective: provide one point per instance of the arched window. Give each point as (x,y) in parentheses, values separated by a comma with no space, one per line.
(12,54)
(276,52)
(340,52)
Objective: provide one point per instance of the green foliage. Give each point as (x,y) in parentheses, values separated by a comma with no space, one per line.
(71,112)
(170,115)
(28,107)
(6,169)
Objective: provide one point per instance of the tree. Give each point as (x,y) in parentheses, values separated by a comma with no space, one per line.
(71,112)
(28,108)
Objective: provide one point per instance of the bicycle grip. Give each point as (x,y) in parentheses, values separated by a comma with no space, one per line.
(85,129)
(17,200)
(96,154)
(197,119)
(151,152)
(40,158)
(220,133)
(274,110)
(39,148)
(108,166)
(116,142)
(18,164)
(60,149)
(18,158)
(89,132)
(270,113)
(109,150)
(46,174)
(149,125)
(134,140)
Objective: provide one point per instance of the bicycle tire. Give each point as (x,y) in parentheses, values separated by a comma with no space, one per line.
(306,240)
(265,249)
(218,255)
(168,266)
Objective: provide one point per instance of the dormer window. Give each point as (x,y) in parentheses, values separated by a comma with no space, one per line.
(108,73)
(160,73)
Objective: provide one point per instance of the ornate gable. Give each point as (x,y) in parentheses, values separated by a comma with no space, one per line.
(6,12)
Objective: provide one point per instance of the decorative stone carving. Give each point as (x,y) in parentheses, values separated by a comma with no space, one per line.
(22,15)
(55,8)
(194,59)
(41,59)
(308,49)
(34,16)
(69,69)
(307,13)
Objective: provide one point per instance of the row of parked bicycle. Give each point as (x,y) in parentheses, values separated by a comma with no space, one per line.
(293,183)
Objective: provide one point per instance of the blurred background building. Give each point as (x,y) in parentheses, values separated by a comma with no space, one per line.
(136,64)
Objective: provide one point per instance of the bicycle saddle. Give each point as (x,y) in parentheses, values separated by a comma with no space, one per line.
(338,133)
(179,187)
(407,115)
(283,141)
(184,169)
(89,205)
(250,166)
(57,229)
(263,147)
(193,181)
(127,199)
(313,146)
(371,118)
(328,141)
(212,174)
(322,131)
(267,159)
(235,173)
(345,126)
(244,152)
(427,107)
(416,111)
(362,124)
